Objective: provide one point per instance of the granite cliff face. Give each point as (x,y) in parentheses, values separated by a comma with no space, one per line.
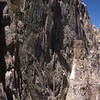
(49,50)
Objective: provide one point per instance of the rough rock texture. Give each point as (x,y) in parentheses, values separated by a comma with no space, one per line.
(49,50)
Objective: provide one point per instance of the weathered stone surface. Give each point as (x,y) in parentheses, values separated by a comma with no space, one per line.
(49,50)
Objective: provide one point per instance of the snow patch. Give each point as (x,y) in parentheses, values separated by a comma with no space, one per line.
(72,76)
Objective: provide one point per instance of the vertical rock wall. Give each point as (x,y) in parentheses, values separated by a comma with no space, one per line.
(49,50)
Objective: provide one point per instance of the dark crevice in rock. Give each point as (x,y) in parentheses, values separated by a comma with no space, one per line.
(3,50)
(11,48)
(9,93)
(63,62)
(57,29)
(77,18)
(38,48)
(45,1)
(44,15)
(2,46)
(17,71)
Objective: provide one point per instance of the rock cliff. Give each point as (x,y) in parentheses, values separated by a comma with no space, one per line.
(49,50)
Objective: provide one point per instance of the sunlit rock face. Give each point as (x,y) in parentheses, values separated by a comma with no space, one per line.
(49,50)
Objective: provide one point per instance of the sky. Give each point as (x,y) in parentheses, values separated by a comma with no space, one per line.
(93,7)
